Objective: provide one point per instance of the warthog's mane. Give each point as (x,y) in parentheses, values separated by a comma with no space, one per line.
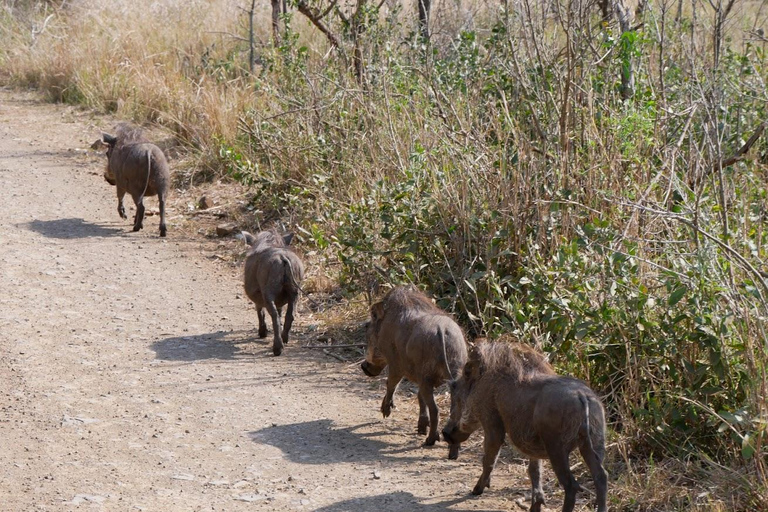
(268,239)
(128,133)
(510,359)
(409,298)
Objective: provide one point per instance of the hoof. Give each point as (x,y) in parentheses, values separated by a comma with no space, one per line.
(431,441)
(277,350)
(453,452)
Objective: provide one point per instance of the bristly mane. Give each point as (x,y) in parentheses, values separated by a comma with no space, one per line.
(273,240)
(409,298)
(128,133)
(510,359)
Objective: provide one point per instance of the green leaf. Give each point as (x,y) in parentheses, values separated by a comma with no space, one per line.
(676,295)
(747,447)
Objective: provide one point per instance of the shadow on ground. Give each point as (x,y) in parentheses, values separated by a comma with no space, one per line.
(70,228)
(394,501)
(214,345)
(319,442)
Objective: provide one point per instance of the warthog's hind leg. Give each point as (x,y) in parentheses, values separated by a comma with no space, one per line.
(421,427)
(163,228)
(289,319)
(138,220)
(594,461)
(558,457)
(426,394)
(262,322)
(277,347)
(120,204)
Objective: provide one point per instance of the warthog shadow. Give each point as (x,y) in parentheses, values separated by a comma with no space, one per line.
(393,502)
(319,442)
(214,345)
(70,228)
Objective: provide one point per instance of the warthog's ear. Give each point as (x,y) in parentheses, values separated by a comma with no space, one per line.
(377,311)
(110,139)
(474,368)
(249,238)
(287,239)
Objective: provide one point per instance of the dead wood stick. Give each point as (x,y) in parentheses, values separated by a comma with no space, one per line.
(336,356)
(349,345)
(739,155)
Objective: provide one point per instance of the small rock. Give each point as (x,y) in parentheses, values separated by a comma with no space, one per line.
(82,498)
(205,202)
(249,497)
(225,229)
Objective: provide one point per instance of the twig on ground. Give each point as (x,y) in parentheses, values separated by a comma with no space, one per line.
(348,345)
(336,356)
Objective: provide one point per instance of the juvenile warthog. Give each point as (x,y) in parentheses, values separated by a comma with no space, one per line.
(418,341)
(510,389)
(139,168)
(273,275)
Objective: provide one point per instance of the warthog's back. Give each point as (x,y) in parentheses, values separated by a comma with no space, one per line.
(428,344)
(268,274)
(140,167)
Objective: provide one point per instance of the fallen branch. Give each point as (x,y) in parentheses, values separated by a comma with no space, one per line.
(349,345)
(336,356)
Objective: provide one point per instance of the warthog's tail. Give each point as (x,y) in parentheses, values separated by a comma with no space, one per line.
(290,278)
(445,355)
(149,170)
(288,275)
(585,430)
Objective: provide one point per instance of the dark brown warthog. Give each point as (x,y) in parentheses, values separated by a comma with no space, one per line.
(138,167)
(418,341)
(510,389)
(273,274)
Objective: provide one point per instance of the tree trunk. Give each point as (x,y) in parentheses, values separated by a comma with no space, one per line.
(275,22)
(627,67)
(358,28)
(424,7)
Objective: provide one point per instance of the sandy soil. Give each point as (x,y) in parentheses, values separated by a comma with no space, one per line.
(131,377)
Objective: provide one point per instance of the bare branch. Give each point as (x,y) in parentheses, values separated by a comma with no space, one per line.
(739,155)
(317,22)
(325,13)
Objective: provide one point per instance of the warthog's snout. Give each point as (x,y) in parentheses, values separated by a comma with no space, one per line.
(453,435)
(370,369)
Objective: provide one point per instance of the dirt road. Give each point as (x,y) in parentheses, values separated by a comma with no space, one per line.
(131,378)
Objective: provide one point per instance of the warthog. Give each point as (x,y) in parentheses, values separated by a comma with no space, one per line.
(273,274)
(418,341)
(139,168)
(510,389)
